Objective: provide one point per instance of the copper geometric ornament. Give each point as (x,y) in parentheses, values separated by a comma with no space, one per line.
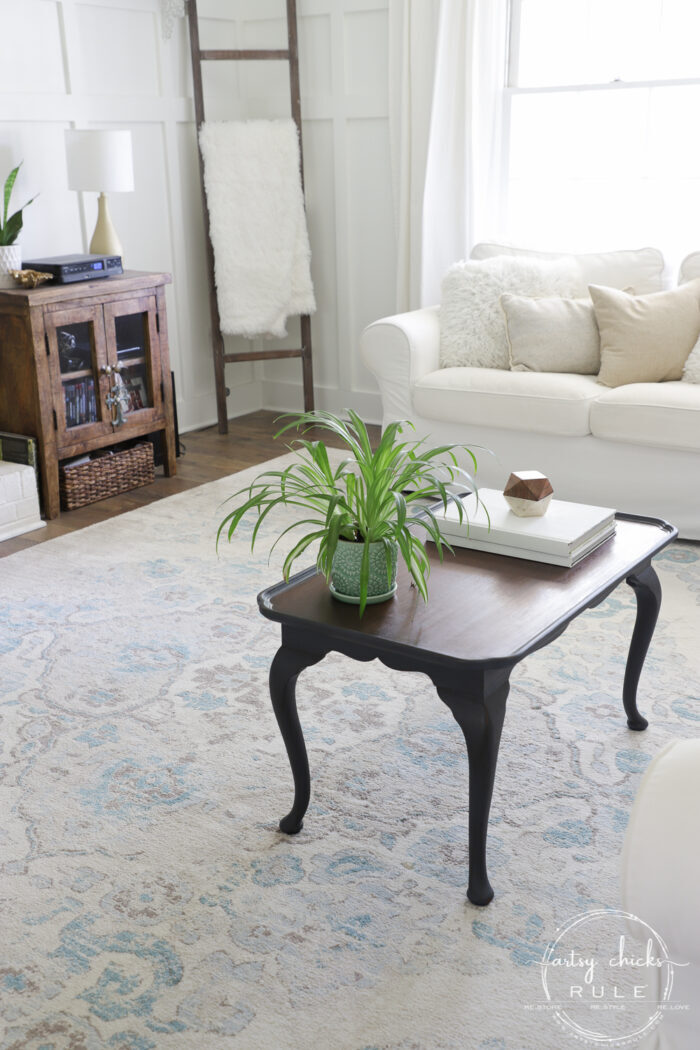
(528,493)
(528,484)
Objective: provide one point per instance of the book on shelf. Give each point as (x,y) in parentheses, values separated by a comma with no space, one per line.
(80,401)
(564,535)
(18,448)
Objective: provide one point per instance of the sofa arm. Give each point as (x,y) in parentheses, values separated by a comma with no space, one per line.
(661,855)
(399,350)
(660,880)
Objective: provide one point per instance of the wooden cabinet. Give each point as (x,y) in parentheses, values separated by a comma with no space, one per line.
(61,351)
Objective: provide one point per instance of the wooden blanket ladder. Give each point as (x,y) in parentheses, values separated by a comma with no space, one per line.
(221,358)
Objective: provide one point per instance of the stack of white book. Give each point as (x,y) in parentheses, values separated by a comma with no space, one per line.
(565,534)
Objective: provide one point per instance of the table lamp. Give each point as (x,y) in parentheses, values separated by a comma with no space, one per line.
(101,161)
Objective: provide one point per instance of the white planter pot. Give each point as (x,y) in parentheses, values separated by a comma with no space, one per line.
(10,259)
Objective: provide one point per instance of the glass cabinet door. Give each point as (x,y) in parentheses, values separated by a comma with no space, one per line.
(132,338)
(77,353)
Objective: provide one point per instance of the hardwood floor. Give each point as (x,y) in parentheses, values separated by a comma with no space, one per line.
(207,455)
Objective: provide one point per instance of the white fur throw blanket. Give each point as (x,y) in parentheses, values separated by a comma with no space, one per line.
(472,324)
(258,225)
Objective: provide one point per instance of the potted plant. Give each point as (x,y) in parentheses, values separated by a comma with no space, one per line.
(10,251)
(364,512)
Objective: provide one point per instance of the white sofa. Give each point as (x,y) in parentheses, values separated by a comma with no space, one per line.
(635,447)
(661,882)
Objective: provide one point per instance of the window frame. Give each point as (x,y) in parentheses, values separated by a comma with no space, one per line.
(511,87)
(512,90)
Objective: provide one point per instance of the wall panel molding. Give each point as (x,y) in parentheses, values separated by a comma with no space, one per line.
(148,89)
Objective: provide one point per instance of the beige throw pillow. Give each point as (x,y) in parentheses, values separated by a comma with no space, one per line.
(645,338)
(551,335)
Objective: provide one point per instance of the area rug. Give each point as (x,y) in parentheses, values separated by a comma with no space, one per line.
(147,899)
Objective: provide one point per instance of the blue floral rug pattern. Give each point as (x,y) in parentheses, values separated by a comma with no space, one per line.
(147,899)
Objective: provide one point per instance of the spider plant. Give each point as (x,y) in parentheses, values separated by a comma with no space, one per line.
(382,496)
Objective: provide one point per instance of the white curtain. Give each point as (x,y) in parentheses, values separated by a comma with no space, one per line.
(461,200)
(412,38)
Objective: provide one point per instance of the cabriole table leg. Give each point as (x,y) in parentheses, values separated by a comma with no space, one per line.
(286,666)
(647,590)
(481,721)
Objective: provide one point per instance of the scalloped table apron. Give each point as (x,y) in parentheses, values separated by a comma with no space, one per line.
(486,613)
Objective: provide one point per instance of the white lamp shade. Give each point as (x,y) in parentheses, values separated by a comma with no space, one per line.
(100,161)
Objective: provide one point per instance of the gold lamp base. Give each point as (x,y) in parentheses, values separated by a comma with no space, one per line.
(104,239)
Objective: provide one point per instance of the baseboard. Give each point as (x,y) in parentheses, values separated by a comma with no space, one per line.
(280,396)
(199,412)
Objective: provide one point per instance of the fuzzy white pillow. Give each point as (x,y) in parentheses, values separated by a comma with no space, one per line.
(472,325)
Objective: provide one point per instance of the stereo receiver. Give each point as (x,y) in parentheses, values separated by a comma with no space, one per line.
(69,268)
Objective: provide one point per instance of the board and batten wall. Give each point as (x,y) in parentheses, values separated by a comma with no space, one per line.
(104,63)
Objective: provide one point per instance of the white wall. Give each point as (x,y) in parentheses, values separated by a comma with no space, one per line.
(95,63)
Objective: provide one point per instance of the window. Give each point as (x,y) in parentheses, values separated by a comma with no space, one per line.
(602,125)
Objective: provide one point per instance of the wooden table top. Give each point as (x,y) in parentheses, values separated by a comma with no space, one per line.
(484,609)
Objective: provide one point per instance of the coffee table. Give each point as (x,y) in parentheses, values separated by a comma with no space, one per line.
(485,613)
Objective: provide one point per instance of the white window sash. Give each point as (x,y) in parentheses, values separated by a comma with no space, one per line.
(512,87)
(613,85)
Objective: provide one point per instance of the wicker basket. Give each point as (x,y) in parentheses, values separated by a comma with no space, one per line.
(106,476)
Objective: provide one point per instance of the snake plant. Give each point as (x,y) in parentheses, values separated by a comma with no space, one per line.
(10,227)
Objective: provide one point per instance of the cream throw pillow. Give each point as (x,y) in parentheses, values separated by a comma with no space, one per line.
(645,338)
(472,325)
(551,335)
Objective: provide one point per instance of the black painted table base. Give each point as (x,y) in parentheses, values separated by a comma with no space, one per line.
(470,676)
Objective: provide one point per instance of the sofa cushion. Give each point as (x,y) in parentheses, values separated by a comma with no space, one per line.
(690,268)
(472,325)
(551,335)
(664,415)
(638,271)
(542,402)
(645,338)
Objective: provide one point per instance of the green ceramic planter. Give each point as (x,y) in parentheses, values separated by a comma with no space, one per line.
(345,572)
